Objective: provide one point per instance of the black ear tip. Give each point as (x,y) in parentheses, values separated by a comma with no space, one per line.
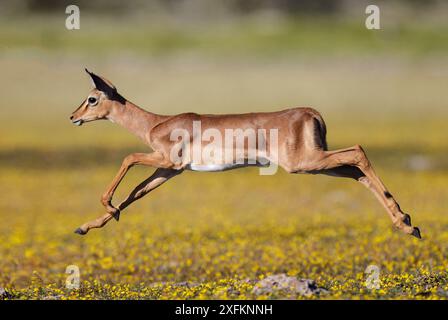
(87,70)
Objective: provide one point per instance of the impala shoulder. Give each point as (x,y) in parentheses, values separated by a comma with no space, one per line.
(179,121)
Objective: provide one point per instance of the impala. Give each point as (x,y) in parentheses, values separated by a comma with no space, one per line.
(302,148)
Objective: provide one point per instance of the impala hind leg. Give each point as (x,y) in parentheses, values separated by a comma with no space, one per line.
(353,162)
(356,174)
(159,177)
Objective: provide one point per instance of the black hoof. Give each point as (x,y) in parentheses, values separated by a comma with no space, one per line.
(80,231)
(416,233)
(407,219)
(116,215)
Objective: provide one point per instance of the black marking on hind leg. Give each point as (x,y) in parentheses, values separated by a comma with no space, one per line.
(388,195)
(407,219)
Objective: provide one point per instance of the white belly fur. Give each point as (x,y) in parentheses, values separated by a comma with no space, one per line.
(222,167)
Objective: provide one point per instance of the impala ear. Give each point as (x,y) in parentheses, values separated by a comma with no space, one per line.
(103,84)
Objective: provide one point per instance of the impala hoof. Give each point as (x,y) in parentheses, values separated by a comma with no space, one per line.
(116,215)
(416,233)
(80,231)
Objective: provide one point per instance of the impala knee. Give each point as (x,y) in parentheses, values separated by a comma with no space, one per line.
(105,199)
(129,160)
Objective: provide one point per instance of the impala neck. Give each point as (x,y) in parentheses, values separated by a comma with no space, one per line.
(134,119)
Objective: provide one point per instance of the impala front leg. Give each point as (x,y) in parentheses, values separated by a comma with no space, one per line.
(154,159)
(149,159)
(97,223)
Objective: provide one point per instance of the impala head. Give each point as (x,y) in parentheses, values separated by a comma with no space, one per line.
(101,101)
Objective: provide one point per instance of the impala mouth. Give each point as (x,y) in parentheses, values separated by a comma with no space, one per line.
(77,122)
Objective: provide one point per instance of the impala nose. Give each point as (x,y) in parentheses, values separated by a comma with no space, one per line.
(71,117)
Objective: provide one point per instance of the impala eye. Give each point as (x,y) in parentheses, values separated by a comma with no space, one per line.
(92,100)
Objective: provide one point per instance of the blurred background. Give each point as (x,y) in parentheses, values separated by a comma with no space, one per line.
(384,89)
(227,56)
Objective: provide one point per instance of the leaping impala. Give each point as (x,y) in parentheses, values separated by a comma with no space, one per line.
(302,148)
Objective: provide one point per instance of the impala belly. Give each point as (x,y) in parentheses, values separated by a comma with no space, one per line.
(211,167)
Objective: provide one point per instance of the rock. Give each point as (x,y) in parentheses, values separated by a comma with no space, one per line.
(281,283)
(57,297)
(4,294)
(442,293)
(186,284)
(419,162)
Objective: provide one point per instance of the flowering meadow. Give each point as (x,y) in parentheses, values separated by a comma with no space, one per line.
(215,235)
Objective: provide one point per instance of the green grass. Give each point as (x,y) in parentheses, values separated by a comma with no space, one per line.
(260,36)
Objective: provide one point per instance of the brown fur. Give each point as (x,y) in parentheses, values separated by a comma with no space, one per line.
(302,148)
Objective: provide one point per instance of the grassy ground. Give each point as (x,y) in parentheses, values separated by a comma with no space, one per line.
(255,36)
(214,235)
